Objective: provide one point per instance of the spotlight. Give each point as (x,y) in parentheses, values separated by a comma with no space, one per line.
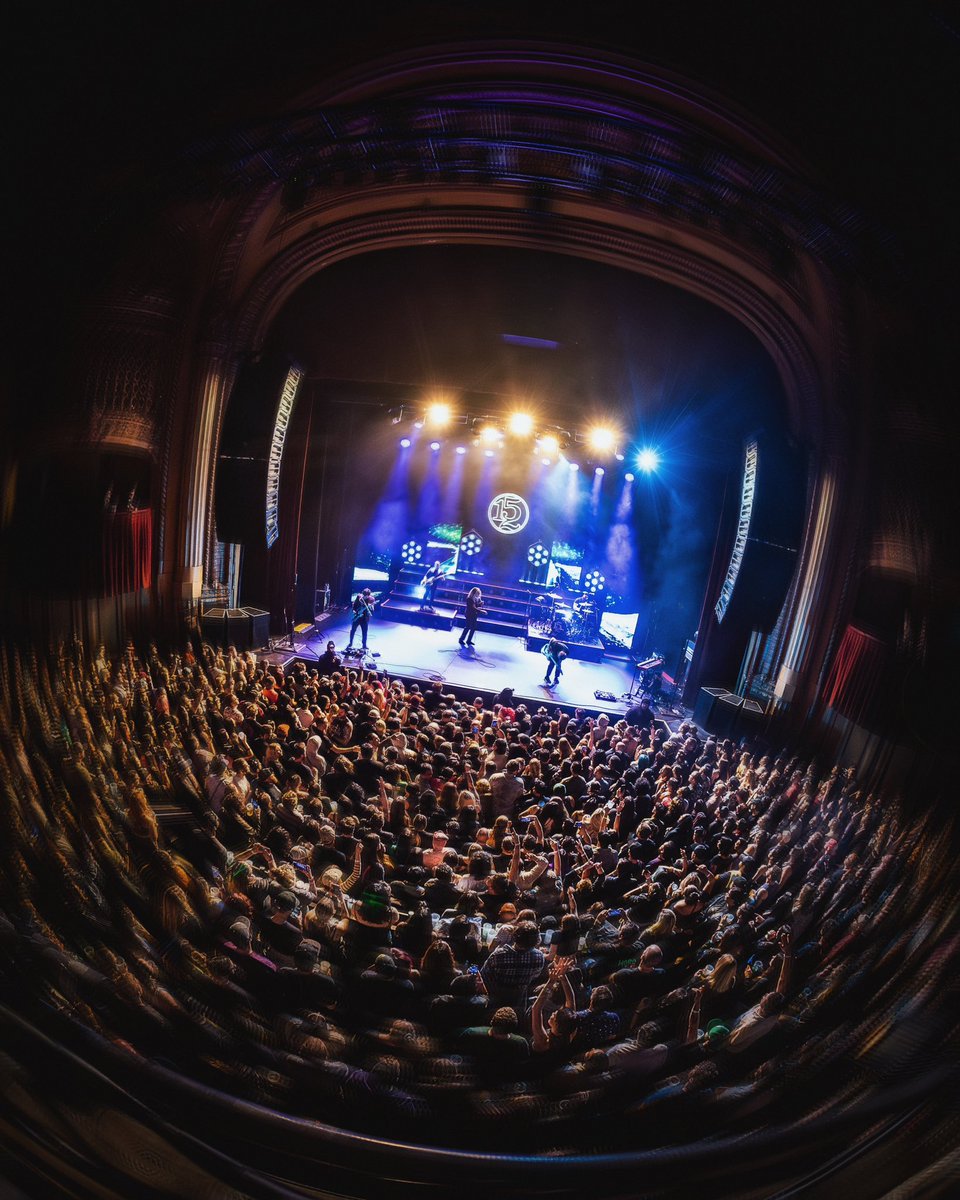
(538,555)
(546,462)
(601,438)
(521,424)
(490,433)
(618,456)
(411,552)
(434,445)
(549,444)
(598,471)
(461,449)
(488,453)
(405,443)
(648,460)
(629,477)
(418,424)
(439,414)
(470,544)
(574,466)
(593,581)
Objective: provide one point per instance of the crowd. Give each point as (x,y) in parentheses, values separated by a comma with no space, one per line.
(464,923)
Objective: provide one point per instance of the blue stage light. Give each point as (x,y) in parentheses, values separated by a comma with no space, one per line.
(598,471)
(629,477)
(434,445)
(405,443)
(488,453)
(574,466)
(461,449)
(648,460)
(411,552)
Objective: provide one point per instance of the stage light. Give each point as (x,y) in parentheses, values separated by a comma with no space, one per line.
(490,433)
(470,544)
(405,443)
(593,581)
(601,438)
(598,471)
(439,414)
(618,456)
(538,555)
(418,424)
(549,444)
(411,552)
(488,453)
(546,462)
(648,460)
(434,445)
(629,477)
(461,449)
(521,424)
(574,466)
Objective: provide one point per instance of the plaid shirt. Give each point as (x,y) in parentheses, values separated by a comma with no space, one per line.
(510,969)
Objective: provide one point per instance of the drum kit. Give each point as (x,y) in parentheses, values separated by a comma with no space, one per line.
(579,621)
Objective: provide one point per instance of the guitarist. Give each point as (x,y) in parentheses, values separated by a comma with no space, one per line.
(474,609)
(429,584)
(362,607)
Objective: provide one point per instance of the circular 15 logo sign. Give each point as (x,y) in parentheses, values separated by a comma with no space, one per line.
(508,512)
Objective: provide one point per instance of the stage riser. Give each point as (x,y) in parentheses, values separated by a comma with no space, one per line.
(585,653)
(455,599)
(423,620)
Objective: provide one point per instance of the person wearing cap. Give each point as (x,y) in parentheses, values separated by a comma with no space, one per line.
(304,987)
(362,608)
(279,928)
(434,856)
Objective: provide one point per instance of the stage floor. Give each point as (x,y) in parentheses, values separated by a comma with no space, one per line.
(495,662)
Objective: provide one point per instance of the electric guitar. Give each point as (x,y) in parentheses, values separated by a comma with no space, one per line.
(443,573)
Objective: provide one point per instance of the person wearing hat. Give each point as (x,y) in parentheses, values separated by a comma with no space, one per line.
(434,856)
(362,608)
(304,986)
(279,930)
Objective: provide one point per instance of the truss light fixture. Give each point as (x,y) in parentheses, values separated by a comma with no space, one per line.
(602,439)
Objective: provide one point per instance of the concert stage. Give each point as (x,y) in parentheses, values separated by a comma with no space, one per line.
(495,662)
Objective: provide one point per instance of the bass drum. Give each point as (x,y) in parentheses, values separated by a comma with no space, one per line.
(560,627)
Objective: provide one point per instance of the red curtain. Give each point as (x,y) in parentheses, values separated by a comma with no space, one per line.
(855,683)
(127,551)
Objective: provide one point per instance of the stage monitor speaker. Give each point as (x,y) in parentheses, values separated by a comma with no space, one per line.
(751,716)
(239,629)
(703,709)
(213,626)
(726,714)
(259,627)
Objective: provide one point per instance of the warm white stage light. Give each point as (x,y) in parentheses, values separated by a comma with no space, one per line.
(601,438)
(549,444)
(521,424)
(490,433)
(439,414)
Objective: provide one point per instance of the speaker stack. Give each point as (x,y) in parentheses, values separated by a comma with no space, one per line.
(213,627)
